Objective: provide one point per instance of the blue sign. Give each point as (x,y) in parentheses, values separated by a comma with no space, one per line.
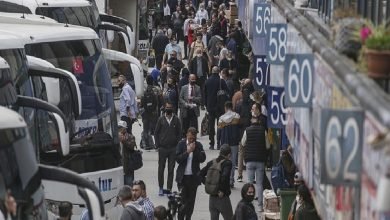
(261,71)
(277,43)
(298,79)
(341,146)
(276,108)
(261,19)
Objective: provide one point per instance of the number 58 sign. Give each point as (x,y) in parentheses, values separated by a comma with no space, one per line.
(341,146)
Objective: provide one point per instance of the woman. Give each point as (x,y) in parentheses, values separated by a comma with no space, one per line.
(245,209)
(198,44)
(305,206)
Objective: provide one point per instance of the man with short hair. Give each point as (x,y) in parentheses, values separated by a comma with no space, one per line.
(128,108)
(65,210)
(160,41)
(167,135)
(189,102)
(172,46)
(132,210)
(199,66)
(220,203)
(127,144)
(189,156)
(139,195)
(229,133)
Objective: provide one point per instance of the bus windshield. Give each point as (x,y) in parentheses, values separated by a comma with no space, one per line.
(19,173)
(81,16)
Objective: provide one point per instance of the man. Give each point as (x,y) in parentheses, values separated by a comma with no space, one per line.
(220,203)
(127,143)
(139,195)
(253,142)
(128,109)
(213,84)
(65,210)
(177,23)
(214,48)
(205,36)
(160,41)
(189,156)
(149,103)
(201,15)
(167,134)
(200,67)
(172,46)
(177,65)
(229,133)
(132,210)
(189,102)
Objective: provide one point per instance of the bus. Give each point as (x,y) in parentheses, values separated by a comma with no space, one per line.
(94,144)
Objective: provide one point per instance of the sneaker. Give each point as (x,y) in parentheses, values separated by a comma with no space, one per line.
(261,209)
(161,192)
(211,148)
(239,179)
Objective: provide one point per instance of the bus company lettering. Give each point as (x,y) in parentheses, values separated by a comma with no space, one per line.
(104,184)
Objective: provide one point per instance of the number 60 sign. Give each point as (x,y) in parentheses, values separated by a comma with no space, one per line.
(341,146)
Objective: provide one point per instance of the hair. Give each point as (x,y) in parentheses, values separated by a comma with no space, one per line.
(225,71)
(185,71)
(160,212)
(304,193)
(149,80)
(228,105)
(245,189)
(215,70)
(140,183)
(192,131)
(125,193)
(258,106)
(225,150)
(239,24)
(122,76)
(65,209)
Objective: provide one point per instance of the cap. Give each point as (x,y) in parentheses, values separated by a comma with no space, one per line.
(122,124)
(298,177)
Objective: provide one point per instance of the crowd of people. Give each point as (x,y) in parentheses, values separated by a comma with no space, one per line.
(213,74)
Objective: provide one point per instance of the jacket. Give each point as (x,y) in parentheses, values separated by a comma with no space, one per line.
(226,167)
(199,156)
(245,210)
(160,41)
(184,102)
(167,135)
(210,93)
(228,131)
(128,147)
(306,211)
(133,211)
(253,141)
(193,66)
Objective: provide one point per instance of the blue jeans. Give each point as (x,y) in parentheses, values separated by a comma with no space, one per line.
(129,179)
(256,168)
(233,158)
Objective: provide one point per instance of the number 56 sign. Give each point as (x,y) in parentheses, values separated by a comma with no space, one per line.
(341,146)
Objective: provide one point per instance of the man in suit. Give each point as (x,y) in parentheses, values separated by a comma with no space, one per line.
(200,67)
(189,156)
(189,102)
(213,84)
(160,41)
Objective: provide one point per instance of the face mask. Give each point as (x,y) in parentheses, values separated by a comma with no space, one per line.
(192,82)
(249,198)
(199,55)
(173,43)
(187,8)
(169,111)
(169,68)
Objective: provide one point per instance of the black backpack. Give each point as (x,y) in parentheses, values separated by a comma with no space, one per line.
(150,100)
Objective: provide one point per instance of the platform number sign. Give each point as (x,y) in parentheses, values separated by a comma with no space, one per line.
(277,43)
(341,146)
(276,107)
(261,19)
(261,72)
(298,79)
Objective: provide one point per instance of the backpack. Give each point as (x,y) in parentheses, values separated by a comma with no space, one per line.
(278,178)
(150,100)
(213,177)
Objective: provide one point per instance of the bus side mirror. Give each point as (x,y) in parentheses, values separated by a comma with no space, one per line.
(55,178)
(62,134)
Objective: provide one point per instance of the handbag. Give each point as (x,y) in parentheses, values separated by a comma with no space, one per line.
(204,127)
(222,97)
(135,160)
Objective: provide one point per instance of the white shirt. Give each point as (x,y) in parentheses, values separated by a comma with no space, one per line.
(188,170)
(169,119)
(201,15)
(204,39)
(186,27)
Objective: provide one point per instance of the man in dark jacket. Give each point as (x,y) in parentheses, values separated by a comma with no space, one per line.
(167,135)
(189,156)
(159,43)
(253,142)
(213,84)
(127,142)
(221,204)
(229,133)
(200,68)
(132,210)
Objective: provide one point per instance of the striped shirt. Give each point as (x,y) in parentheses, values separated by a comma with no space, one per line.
(148,207)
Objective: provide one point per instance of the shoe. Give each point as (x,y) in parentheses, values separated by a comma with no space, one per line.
(161,192)
(239,179)
(232,186)
(261,209)
(185,58)
(202,107)
(211,148)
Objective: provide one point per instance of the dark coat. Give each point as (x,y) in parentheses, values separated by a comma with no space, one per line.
(211,89)
(159,43)
(167,135)
(199,156)
(226,168)
(193,66)
(245,210)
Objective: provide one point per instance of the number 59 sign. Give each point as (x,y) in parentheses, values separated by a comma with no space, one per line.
(276,108)
(341,146)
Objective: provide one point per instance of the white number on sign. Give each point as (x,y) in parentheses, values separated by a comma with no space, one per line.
(279,115)
(277,43)
(333,147)
(297,73)
(274,104)
(263,78)
(263,18)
